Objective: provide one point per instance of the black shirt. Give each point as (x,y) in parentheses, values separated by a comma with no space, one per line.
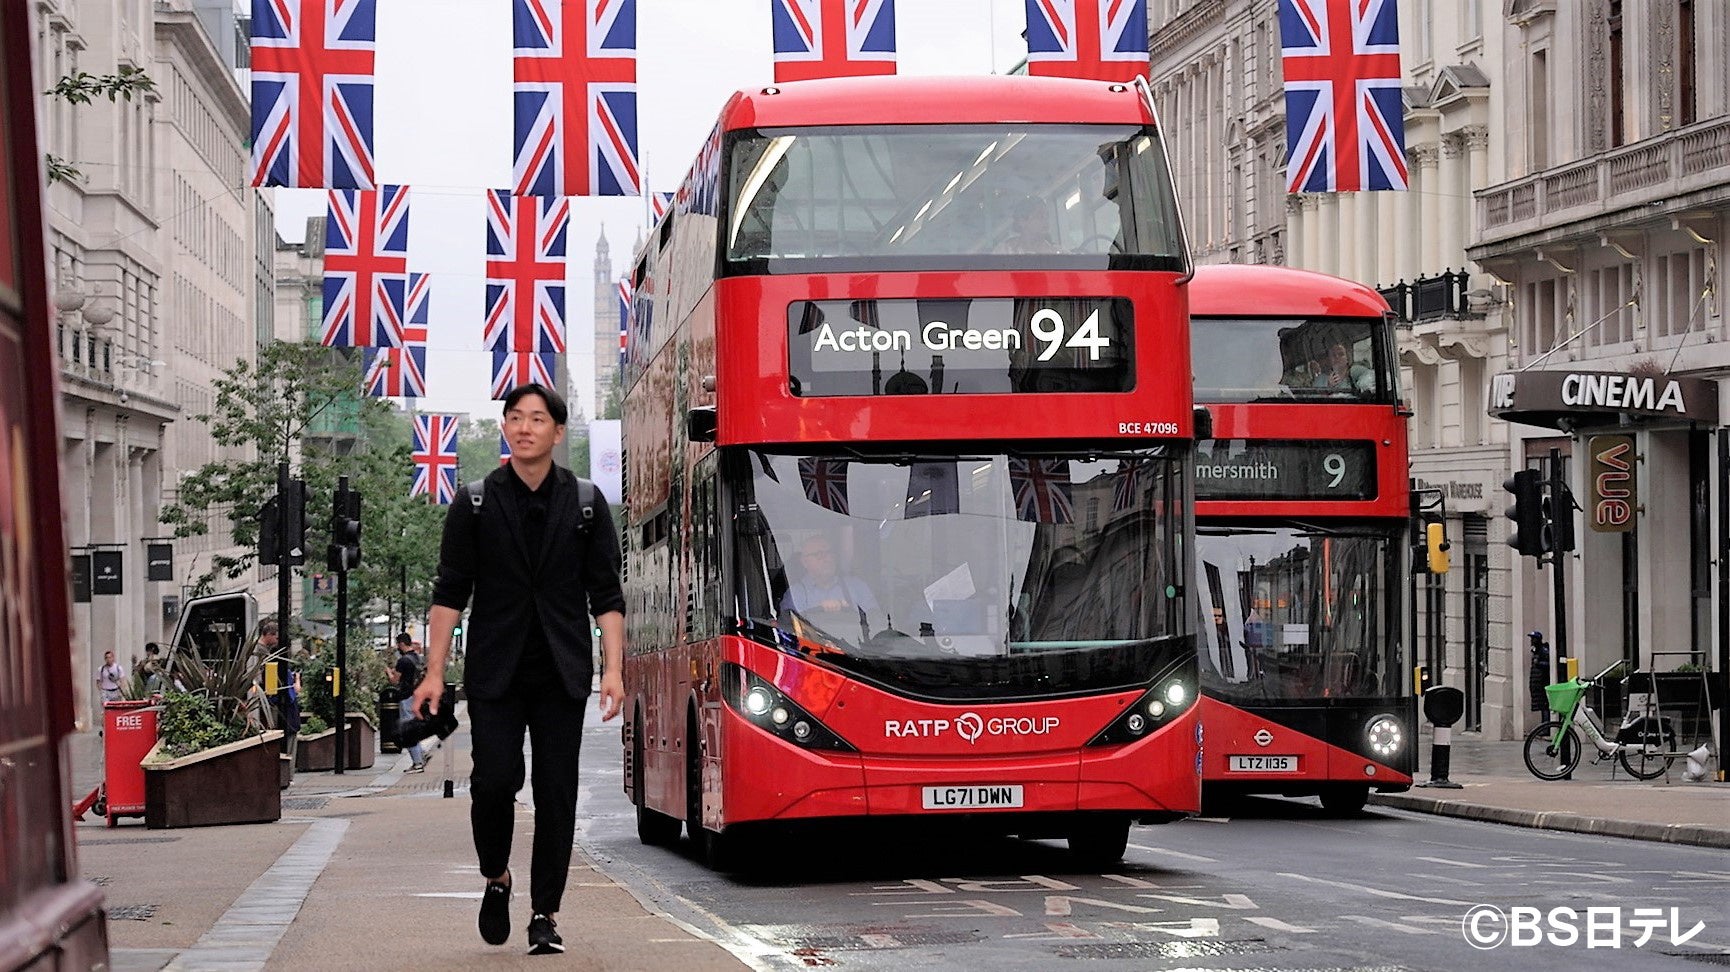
(536,663)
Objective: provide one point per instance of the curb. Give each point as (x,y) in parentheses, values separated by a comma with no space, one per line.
(1690,834)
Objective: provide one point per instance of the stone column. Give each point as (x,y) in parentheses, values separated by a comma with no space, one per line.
(1368,237)
(1427,250)
(1294,231)
(1454,201)
(1346,247)
(1477,141)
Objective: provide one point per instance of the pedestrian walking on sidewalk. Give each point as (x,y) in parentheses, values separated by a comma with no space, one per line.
(409,668)
(536,549)
(110,677)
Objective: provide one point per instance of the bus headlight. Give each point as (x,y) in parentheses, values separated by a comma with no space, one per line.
(1385,735)
(765,707)
(1158,705)
(1176,693)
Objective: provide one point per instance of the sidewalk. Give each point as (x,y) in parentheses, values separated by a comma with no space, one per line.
(1496,787)
(375,868)
(371,869)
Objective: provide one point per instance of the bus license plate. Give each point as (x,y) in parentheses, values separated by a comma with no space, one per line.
(1264,764)
(971,797)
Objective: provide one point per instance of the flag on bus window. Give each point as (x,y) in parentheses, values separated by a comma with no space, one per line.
(525,287)
(513,368)
(400,372)
(1127,485)
(312,93)
(1042,490)
(659,203)
(825,482)
(832,38)
(575,91)
(933,489)
(435,457)
(624,290)
(365,245)
(1103,40)
(1344,111)
(504,450)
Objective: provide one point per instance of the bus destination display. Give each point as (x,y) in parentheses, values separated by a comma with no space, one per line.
(1272,469)
(959,346)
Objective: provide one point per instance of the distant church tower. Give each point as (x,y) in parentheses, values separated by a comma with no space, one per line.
(606,324)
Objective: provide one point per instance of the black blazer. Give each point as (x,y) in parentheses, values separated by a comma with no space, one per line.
(555,579)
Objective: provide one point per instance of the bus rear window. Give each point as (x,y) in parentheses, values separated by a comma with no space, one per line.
(1281,359)
(950,196)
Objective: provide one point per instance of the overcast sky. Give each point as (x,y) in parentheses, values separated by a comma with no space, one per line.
(443,128)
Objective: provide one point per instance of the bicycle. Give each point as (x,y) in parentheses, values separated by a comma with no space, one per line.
(1645,743)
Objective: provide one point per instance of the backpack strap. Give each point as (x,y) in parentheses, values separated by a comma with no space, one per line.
(586,496)
(477,494)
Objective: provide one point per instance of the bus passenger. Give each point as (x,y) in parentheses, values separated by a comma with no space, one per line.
(1342,373)
(1029,229)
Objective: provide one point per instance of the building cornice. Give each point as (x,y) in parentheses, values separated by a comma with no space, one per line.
(1192,23)
(182,30)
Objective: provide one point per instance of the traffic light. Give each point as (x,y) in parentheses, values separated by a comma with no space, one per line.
(271,532)
(1557,511)
(1436,545)
(1527,512)
(344,551)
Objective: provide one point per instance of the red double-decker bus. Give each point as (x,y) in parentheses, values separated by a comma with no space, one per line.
(1302,517)
(906,433)
(50,918)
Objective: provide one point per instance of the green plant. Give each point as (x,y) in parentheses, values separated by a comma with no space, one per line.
(361,682)
(83,87)
(189,723)
(313,724)
(213,702)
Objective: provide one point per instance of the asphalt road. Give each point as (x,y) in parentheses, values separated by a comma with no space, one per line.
(1278,886)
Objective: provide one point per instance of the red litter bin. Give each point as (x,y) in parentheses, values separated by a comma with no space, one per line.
(129,730)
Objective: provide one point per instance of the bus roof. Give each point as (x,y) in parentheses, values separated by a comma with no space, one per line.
(901,100)
(1255,290)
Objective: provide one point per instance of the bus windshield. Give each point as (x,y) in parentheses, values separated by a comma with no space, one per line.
(1283,359)
(978,577)
(1077,195)
(1292,613)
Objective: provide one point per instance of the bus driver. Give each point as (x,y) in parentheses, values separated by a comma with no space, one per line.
(831,599)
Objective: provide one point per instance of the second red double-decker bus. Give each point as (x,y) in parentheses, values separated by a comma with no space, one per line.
(1302,523)
(906,431)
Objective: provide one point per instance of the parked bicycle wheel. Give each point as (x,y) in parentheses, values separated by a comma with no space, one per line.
(1645,748)
(1550,757)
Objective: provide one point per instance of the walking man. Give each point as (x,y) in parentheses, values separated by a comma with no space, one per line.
(408,671)
(109,677)
(538,553)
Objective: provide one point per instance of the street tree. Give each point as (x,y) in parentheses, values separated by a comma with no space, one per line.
(81,88)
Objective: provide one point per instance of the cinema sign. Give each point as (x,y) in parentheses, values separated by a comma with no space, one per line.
(1557,399)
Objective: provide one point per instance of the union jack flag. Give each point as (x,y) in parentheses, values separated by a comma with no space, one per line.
(513,368)
(833,38)
(1103,40)
(659,203)
(575,98)
(825,482)
(1345,114)
(312,93)
(365,244)
(701,191)
(504,450)
(400,372)
(624,319)
(525,287)
(435,457)
(1042,490)
(1126,485)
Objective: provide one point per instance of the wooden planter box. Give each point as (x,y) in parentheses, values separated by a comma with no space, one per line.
(361,737)
(316,753)
(236,783)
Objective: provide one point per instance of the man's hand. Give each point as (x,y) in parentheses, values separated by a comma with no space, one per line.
(612,694)
(430,692)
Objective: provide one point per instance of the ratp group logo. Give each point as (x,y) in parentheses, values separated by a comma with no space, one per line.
(970,726)
(1486,926)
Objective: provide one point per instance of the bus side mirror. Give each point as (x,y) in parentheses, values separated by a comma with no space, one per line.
(1436,546)
(700,424)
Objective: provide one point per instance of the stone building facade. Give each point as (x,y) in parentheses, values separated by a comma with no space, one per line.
(1568,170)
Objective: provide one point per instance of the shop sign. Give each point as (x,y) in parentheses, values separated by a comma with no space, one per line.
(1613,492)
(1555,399)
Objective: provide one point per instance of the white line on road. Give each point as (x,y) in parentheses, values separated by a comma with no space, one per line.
(1451,863)
(1390,925)
(1277,925)
(1177,854)
(1375,891)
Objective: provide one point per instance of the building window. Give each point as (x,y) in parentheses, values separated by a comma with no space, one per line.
(1538,111)
(1685,62)
(1618,133)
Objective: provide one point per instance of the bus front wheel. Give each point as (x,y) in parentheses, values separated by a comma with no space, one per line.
(1099,843)
(1345,800)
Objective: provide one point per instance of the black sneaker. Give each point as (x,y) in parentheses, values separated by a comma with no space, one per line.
(544,937)
(495,920)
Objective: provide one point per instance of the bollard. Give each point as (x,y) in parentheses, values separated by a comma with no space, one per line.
(1443,706)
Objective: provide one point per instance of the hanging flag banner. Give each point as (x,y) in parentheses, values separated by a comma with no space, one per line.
(1042,490)
(1102,40)
(575,83)
(832,38)
(401,372)
(513,368)
(435,457)
(81,578)
(625,298)
(504,450)
(312,93)
(1344,111)
(365,248)
(525,273)
(158,560)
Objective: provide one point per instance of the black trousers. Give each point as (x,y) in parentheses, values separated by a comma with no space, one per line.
(555,725)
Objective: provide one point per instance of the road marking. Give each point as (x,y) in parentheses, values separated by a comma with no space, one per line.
(1376,891)
(248,932)
(1177,854)
(1450,880)
(1277,925)
(1391,925)
(1451,863)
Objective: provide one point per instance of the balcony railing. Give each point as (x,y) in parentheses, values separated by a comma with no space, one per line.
(1429,298)
(1648,171)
